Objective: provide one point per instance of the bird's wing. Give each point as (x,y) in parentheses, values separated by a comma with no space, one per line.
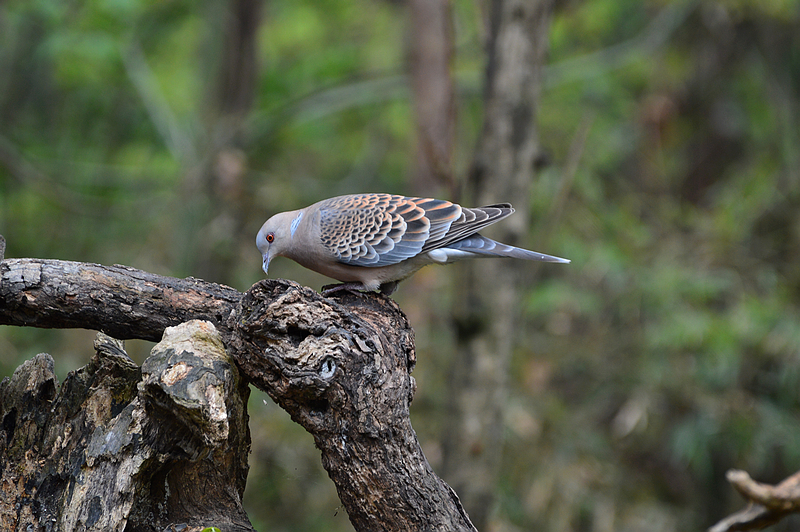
(470,222)
(382,229)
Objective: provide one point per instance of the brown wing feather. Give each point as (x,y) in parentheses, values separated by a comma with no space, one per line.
(382,229)
(470,222)
(373,229)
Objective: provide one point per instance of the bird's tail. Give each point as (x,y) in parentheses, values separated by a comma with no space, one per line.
(480,245)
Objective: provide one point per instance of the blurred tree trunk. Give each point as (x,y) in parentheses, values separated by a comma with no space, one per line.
(430,49)
(486,315)
(219,181)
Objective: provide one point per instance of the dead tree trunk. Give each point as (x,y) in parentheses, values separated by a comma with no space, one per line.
(117,447)
(340,367)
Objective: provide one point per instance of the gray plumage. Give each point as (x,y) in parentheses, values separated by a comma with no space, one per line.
(372,241)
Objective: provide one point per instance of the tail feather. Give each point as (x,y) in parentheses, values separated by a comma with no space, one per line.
(481,245)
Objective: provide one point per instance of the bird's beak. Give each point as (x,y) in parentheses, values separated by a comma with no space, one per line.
(265,265)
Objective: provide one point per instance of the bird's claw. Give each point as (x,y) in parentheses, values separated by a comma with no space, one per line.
(385,289)
(329,289)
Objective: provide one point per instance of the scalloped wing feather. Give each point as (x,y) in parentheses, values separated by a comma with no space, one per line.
(376,230)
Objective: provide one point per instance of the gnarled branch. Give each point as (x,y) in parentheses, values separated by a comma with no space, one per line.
(119,446)
(768,504)
(340,367)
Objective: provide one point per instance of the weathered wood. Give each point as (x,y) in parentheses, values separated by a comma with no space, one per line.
(767,504)
(117,447)
(123,302)
(342,370)
(340,366)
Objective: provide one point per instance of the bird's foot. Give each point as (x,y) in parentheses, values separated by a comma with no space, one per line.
(388,289)
(385,289)
(329,289)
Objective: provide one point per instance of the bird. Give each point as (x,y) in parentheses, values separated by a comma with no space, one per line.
(373,241)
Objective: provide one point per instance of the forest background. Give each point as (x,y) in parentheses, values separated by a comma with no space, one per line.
(137,132)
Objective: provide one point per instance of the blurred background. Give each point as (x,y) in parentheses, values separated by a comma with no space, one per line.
(161,134)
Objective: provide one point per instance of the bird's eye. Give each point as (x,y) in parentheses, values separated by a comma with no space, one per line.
(270,237)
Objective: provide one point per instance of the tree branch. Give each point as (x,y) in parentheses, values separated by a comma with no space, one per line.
(340,367)
(121,447)
(342,370)
(122,302)
(768,504)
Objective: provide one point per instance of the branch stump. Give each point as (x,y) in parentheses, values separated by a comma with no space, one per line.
(165,446)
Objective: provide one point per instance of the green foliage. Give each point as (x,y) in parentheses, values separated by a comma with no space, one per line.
(680,221)
(666,353)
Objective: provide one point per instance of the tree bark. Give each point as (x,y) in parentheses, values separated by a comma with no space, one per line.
(767,504)
(342,371)
(340,367)
(117,447)
(120,301)
(486,315)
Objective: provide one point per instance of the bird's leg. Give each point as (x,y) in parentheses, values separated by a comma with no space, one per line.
(329,289)
(388,289)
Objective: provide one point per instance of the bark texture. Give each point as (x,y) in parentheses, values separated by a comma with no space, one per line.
(767,504)
(118,447)
(340,367)
(503,168)
(342,370)
(120,301)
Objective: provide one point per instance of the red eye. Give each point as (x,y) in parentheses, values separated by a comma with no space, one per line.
(270,237)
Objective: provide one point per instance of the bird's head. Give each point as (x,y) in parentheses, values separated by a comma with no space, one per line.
(275,236)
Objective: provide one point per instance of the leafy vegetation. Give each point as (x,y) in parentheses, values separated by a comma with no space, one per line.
(666,353)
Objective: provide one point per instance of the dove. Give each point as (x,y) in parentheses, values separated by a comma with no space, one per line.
(373,241)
